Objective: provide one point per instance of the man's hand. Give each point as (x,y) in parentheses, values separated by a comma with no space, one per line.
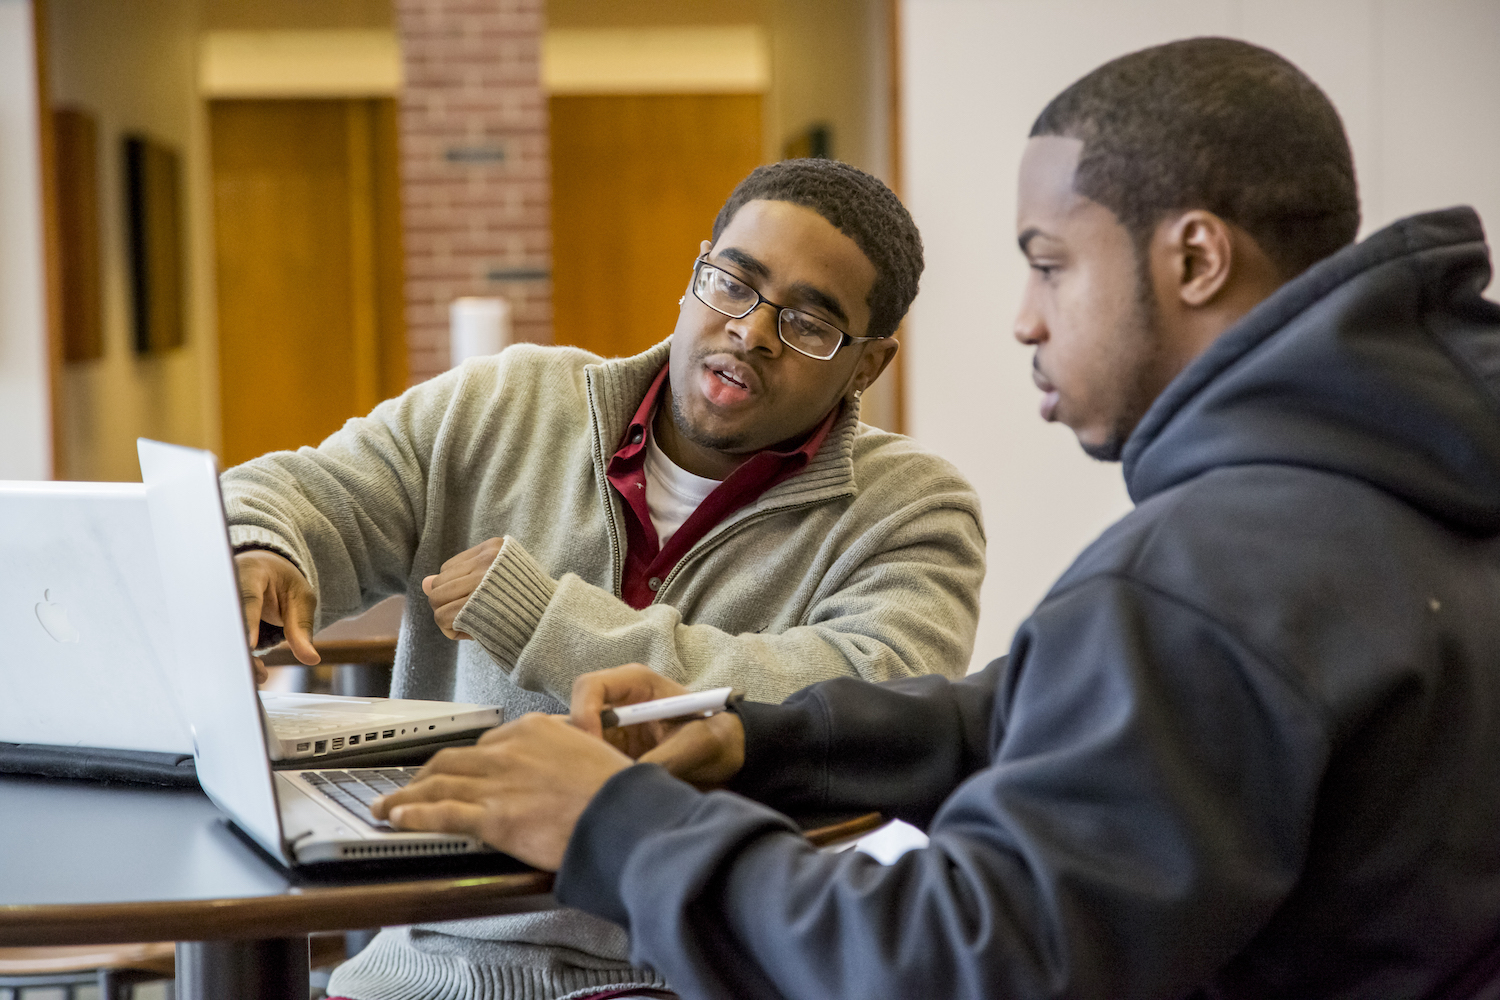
(521,789)
(704,752)
(272,589)
(449,589)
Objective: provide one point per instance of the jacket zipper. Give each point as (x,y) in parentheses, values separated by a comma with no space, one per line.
(617,565)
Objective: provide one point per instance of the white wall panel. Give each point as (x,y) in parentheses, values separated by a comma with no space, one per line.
(25,420)
(1417,83)
(1438,90)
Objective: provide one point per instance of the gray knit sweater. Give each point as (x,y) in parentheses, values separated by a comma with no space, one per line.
(867,563)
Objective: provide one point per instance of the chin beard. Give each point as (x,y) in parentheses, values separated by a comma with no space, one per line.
(728,444)
(1108,450)
(1113,446)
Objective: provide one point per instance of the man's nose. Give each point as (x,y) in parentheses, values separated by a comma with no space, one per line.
(1030,328)
(757,329)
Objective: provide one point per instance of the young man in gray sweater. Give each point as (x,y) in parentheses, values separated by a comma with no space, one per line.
(712,508)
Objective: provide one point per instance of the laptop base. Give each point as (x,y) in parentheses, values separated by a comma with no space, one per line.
(404,869)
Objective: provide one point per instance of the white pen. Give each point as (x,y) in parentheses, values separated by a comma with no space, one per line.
(696,704)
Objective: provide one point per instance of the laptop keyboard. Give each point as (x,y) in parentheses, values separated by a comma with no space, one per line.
(356,788)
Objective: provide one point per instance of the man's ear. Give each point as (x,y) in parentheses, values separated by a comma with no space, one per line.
(1201,247)
(704,246)
(877,357)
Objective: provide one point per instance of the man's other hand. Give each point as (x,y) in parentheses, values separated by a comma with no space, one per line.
(449,589)
(704,752)
(520,789)
(272,589)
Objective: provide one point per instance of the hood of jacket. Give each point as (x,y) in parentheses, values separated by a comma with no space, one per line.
(1381,362)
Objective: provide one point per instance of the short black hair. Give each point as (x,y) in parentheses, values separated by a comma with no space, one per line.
(860,207)
(1216,124)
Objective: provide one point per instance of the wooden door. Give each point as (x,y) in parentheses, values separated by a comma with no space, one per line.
(636,183)
(308,266)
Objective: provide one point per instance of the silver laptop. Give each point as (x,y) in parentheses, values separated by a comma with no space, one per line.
(87,654)
(297,816)
(88,659)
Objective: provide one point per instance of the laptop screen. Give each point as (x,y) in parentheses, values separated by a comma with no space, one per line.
(217,682)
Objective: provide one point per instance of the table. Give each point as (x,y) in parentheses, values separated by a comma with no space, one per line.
(94,864)
(91,864)
(358,650)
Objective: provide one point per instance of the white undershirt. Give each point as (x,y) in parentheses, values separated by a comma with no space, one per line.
(672,493)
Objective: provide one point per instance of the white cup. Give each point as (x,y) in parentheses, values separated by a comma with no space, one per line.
(476,327)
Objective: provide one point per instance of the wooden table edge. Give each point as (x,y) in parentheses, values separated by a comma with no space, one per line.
(306,909)
(336,651)
(302,910)
(844,830)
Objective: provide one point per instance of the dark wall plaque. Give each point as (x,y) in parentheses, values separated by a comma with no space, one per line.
(77,166)
(152,185)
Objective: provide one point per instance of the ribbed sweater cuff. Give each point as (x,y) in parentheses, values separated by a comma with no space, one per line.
(413,964)
(632,805)
(508,604)
(250,536)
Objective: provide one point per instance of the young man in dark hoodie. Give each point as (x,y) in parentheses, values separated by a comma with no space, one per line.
(1249,744)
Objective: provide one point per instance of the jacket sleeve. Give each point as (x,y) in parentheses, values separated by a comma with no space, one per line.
(348,512)
(910,608)
(1145,809)
(884,757)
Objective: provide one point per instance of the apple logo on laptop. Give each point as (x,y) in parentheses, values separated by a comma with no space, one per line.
(54,618)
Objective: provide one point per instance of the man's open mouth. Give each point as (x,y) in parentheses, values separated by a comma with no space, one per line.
(729,380)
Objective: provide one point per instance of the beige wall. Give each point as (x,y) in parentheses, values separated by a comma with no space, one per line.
(1416,81)
(26,444)
(827,61)
(132,66)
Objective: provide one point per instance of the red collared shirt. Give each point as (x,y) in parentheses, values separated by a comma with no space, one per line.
(646,562)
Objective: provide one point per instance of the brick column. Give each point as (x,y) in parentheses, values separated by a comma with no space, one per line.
(475,187)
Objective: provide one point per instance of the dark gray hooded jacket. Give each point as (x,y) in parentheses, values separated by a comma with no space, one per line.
(1247,746)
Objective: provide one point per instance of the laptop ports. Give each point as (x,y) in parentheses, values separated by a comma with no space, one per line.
(388,734)
(320,747)
(354,740)
(303,747)
(338,743)
(370,737)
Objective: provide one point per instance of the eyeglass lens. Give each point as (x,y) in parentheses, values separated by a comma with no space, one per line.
(723,292)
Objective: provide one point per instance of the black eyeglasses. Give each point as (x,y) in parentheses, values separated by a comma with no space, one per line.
(724,293)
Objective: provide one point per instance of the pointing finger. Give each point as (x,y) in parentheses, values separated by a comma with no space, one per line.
(250,602)
(299,626)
